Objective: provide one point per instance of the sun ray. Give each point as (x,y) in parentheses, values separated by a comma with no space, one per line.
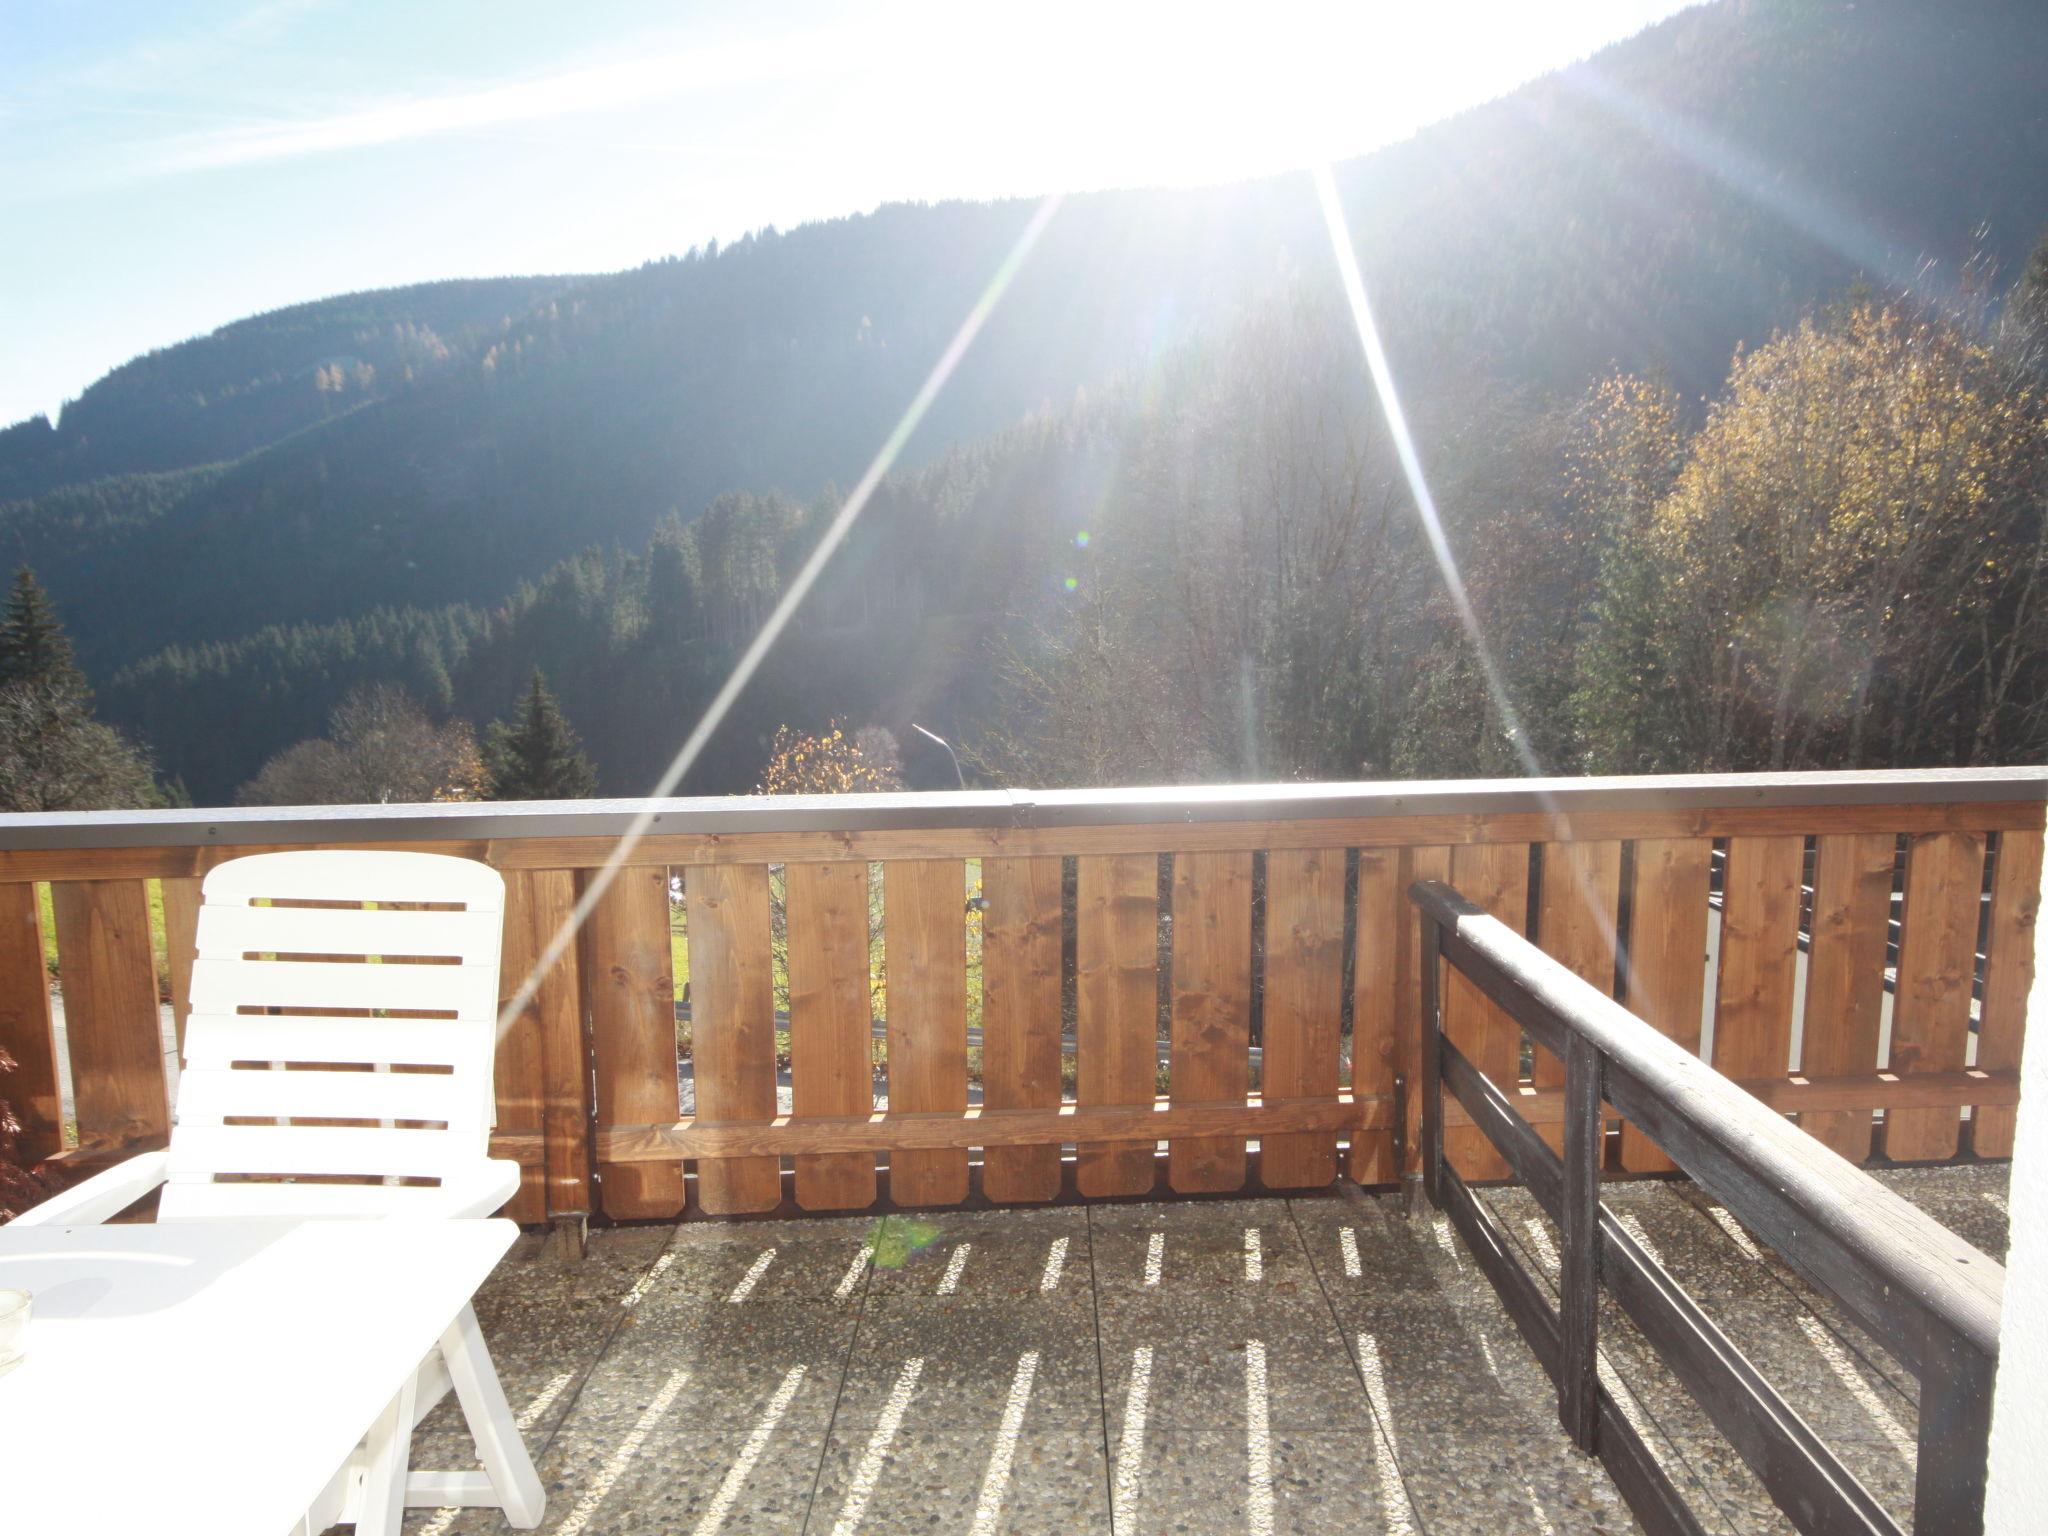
(785,609)
(1382,376)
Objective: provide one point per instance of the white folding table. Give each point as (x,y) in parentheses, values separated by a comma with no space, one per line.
(214,1376)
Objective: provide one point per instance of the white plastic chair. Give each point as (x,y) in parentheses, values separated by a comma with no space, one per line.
(359,987)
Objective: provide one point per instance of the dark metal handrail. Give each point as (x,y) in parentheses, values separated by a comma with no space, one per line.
(1930,1298)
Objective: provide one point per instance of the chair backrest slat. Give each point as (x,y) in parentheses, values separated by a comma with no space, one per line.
(245,986)
(357,875)
(343,1024)
(324,1151)
(207,1095)
(232,932)
(221,1039)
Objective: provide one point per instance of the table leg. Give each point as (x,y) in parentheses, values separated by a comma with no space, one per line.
(387,1451)
(499,1445)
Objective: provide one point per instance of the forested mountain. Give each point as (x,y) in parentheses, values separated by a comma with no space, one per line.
(1681,195)
(947,558)
(249,384)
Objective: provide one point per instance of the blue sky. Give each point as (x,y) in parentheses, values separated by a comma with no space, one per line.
(167,167)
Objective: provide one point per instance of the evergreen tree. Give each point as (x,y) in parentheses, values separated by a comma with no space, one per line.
(537,755)
(33,645)
(53,755)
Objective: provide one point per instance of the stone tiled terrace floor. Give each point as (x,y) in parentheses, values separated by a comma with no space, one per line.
(1308,1365)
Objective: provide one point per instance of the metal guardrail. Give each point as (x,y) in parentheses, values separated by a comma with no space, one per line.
(1010,809)
(1929,1298)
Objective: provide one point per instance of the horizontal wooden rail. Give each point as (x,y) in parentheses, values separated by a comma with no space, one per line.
(983,1127)
(920,1130)
(1793,1093)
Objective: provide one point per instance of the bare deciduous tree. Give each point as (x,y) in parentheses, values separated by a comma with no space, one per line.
(381,748)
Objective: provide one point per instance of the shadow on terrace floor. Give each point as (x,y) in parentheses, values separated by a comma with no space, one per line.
(1271,1366)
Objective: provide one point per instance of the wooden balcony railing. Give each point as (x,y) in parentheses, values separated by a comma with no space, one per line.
(1919,1290)
(1213,920)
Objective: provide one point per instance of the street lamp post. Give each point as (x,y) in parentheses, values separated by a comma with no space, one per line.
(935,736)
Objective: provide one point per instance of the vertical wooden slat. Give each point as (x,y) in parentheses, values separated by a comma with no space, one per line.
(517,1067)
(2008,978)
(564,1051)
(1760,895)
(181,947)
(1212,1010)
(732,1025)
(1852,901)
(629,990)
(108,971)
(1937,967)
(1575,921)
(1020,1016)
(1116,960)
(1494,877)
(831,1029)
(25,1023)
(542,1064)
(1381,1022)
(1666,982)
(924,938)
(1304,996)
(1383,1025)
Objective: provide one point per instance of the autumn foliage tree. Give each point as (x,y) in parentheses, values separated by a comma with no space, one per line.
(1848,569)
(829,762)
